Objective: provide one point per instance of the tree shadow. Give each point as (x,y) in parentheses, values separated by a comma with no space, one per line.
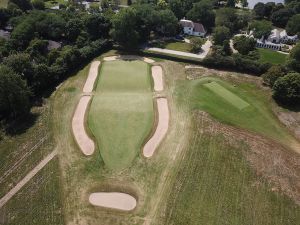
(289,106)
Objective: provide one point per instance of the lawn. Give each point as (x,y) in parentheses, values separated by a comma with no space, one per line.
(257,117)
(121,113)
(3,3)
(175,45)
(269,56)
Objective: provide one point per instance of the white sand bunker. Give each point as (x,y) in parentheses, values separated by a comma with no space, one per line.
(162,127)
(157,76)
(128,57)
(85,143)
(89,84)
(113,200)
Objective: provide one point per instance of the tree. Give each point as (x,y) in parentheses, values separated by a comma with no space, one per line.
(168,23)
(220,35)
(293,26)
(281,17)
(22,4)
(230,3)
(196,43)
(244,3)
(226,47)
(162,4)
(14,94)
(259,10)
(261,28)
(38,4)
(287,89)
(73,29)
(97,26)
(272,75)
(202,12)
(269,7)
(244,44)
(227,17)
(177,8)
(294,58)
(124,27)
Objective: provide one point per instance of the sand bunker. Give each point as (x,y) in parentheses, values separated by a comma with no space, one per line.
(128,57)
(85,143)
(113,200)
(89,84)
(162,127)
(157,76)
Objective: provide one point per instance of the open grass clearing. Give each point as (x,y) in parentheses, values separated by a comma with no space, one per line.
(121,112)
(174,45)
(273,57)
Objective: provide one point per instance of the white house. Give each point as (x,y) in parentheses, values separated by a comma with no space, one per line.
(191,28)
(280,36)
(4,34)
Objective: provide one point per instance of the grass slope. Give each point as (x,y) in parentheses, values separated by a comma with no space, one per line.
(215,185)
(257,117)
(269,56)
(121,113)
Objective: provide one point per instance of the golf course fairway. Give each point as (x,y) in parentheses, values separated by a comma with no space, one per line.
(121,113)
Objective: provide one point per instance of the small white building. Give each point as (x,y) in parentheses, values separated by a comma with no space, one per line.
(280,36)
(191,28)
(4,34)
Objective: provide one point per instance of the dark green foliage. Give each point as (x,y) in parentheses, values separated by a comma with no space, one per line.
(74,28)
(221,34)
(293,25)
(202,12)
(244,44)
(22,4)
(196,43)
(38,4)
(261,28)
(177,6)
(281,17)
(97,26)
(294,59)
(272,75)
(14,94)
(230,3)
(226,47)
(287,89)
(259,10)
(167,24)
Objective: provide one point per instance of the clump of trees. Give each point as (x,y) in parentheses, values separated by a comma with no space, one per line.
(244,44)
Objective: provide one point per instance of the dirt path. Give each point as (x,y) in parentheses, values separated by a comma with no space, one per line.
(157,76)
(161,130)
(24,181)
(85,143)
(89,84)
(114,200)
(128,57)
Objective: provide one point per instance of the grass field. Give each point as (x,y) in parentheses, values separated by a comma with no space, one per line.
(121,113)
(3,3)
(175,45)
(257,117)
(269,56)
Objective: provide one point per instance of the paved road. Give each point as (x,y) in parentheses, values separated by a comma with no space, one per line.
(201,55)
(28,177)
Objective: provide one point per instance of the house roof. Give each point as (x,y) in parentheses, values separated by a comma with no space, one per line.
(4,34)
(186,23)
(198,27)
(53,45)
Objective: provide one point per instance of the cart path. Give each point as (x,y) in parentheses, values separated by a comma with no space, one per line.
(27,178)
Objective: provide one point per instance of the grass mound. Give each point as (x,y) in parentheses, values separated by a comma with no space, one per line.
(269,56)
(121,113)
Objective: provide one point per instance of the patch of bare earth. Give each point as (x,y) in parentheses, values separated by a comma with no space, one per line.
(269,159)
(85,143)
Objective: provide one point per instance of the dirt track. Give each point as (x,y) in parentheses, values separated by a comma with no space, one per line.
(157,75)
(128,57)
(161,130)
(89,84)
(85,143)
(114,200)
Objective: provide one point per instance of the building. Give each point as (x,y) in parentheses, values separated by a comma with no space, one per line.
(4,34)
(191,28)
(53,45)
(281,37)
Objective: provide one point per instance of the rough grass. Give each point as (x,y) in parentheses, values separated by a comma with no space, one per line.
(121,113)
(269,56)
(175,45)
(257,117)
(38,202)
(214,184)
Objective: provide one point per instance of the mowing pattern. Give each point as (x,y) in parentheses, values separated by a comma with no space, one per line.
(121,113)
(227,95)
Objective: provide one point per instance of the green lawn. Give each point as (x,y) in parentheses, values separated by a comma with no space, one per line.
(269,56)
(121,113)
(175,45)
(3,3)
(257,117)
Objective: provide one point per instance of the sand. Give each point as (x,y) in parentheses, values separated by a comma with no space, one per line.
(113,200)
(161,129)
(85,143)
(89,84)
(128,57)
(157,76)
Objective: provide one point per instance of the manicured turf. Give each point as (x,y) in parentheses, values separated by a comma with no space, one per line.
(269,56)
(121,113)
(175,45)
(227,95)
(257,117)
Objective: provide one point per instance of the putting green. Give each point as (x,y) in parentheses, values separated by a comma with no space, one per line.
(227,95)
(121,113)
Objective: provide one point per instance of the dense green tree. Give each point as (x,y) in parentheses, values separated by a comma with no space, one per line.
(196,43)
(261,28)
(177,6)
(287,89)
(244,44)
(22,4)
(227,17)
(14,94)
(97,26)
(168,23)
(202,12)
(4,16)
(23,33)
(272,75)
(269,6)
(221,34)
(230,3)
(162,4)
(73,29)
(38,4)
(244,3)
(293,26)
(259,10)
(281,17)
(294,58)
(226,47)
(37,49)
(124,27)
